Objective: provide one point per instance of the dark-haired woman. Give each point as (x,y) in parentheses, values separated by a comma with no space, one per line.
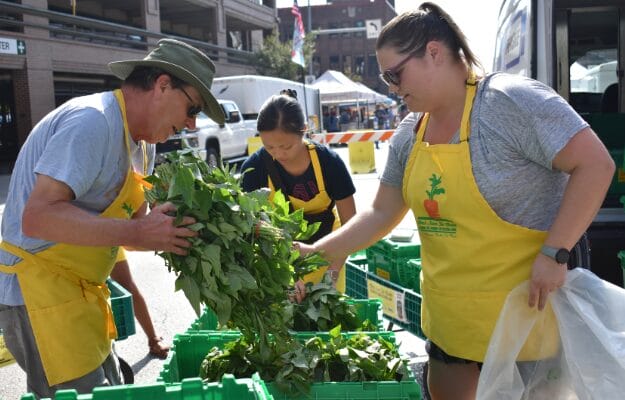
(503,178)
(312,176)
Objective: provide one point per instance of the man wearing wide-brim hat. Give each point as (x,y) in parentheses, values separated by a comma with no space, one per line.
(75,196)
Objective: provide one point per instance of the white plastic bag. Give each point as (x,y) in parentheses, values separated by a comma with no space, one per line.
(591,362)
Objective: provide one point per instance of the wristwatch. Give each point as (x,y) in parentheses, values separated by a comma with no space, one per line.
(560,255)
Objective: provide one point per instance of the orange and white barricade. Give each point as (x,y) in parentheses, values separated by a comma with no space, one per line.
(360,146)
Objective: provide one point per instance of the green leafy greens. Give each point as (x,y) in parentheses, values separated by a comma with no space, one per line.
(242,262)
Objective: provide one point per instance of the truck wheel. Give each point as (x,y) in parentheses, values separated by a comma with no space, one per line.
(212,157)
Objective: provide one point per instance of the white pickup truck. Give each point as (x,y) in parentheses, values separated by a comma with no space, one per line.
(224,143)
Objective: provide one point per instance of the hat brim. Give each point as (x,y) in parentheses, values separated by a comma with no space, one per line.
(122,69)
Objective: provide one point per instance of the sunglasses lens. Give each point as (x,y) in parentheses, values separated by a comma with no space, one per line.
(390,78)
(193,111)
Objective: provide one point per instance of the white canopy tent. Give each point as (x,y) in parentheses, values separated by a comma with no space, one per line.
(335,87)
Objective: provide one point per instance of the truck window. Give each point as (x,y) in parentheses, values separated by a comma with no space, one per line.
(593,59)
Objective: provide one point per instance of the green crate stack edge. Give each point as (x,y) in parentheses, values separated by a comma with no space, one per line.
(189,389)
(356,277)
(123,311)
(370,309)
(189,349)
(389,260)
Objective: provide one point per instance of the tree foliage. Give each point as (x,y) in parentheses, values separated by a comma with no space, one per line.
(274,59)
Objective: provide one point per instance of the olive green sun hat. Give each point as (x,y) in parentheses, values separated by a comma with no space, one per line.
(183,61)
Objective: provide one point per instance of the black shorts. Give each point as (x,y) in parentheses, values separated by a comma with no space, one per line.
(436,353)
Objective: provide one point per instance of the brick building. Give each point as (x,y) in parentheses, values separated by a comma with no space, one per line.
(349,52)
(48,55)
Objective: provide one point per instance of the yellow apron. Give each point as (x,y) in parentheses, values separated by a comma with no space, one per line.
(65,292)
(317,204)
(471,258)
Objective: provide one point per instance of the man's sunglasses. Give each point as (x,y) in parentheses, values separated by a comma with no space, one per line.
(193,110)
(392,76)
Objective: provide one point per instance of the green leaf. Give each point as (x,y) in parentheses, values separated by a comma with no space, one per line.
(182,184)
(190,289)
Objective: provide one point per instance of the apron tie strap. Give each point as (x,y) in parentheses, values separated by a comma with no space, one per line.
(92,291)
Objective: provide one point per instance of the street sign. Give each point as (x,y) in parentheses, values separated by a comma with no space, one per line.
(374,26)
(12,46)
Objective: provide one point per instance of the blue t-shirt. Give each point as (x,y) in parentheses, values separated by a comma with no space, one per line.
(337,180)
(81,143)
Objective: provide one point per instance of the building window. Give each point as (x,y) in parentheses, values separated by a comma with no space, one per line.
(347,65)
(333,25)
(316,65)
(334,63)
(372,65)
(345,25)
(360,24)
(359,65)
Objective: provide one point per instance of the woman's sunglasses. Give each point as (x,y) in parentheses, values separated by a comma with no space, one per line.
(193,110)
(392,76)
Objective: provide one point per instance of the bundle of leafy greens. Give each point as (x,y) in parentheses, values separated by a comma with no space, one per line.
(242,262)
(324,307)
(293,366)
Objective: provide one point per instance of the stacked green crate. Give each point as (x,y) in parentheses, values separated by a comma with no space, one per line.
(388,259)
(189,350)
(609,128)
(189,389)
(123,311)
(400,305)
(415,267)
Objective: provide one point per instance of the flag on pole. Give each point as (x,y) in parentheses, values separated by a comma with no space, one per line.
(297,54)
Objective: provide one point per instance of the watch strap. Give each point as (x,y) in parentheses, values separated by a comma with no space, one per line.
(549,251)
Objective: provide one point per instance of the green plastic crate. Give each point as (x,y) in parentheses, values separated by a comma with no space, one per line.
(617,186)
(413,272)
(123,311)
(370,309)
(189,389)
(189,350)
(389,260)
(356,278)
(359,255)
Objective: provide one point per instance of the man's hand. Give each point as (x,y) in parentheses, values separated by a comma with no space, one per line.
(547,276)
(156,231)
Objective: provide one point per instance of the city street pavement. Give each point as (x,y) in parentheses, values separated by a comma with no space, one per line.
(170,310)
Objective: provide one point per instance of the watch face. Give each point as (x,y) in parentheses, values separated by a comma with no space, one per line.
(562,256)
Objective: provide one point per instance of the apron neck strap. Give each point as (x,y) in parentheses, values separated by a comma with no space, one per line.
(465,123)
(122,106)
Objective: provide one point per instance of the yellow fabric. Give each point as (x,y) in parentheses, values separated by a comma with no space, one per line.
(65,292)
(6,358)
(471,258)
(121,255)
(317,204)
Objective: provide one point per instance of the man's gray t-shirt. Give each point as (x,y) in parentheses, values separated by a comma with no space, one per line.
(518,125)
(81,144)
